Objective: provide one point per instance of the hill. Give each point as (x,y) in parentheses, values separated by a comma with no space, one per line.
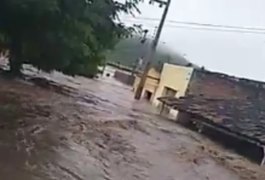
(127,52)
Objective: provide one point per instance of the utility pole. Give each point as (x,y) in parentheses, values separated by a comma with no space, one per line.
(154,44)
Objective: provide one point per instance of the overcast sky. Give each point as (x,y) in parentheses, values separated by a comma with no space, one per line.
(239,54)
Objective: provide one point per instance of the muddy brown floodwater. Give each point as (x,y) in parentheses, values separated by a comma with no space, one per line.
(82,129)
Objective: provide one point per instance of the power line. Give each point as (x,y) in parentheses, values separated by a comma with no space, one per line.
(202,26)
(218,30)
(208,29)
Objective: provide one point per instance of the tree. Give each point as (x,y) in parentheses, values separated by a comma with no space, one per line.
(65,35)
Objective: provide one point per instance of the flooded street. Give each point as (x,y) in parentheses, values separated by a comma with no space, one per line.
(94,130)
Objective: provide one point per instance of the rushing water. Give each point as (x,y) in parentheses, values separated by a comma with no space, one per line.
(95,132)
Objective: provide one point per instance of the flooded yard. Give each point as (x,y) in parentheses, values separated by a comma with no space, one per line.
(94,130)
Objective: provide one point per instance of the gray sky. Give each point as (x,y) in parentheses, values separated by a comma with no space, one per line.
(239,54)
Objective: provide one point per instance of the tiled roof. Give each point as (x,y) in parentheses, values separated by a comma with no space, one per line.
(243,117)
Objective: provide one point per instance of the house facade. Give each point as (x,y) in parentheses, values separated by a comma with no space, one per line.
(229,109)
(151,84)
(173,81)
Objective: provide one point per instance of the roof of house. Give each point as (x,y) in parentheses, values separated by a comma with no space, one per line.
(152,74)
(243,117)
(242,80)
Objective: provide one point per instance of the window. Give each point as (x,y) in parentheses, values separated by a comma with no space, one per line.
(167,92)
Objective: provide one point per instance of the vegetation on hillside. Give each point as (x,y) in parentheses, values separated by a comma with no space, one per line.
(127,51)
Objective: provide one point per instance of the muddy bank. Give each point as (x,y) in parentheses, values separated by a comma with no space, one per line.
(93,129)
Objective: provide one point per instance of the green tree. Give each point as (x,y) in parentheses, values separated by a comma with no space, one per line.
(65,35)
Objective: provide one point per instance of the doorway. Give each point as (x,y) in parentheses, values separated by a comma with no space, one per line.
(148,95)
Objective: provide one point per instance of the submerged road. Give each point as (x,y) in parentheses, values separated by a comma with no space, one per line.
(82,129)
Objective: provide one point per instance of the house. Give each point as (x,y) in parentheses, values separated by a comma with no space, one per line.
(171,81)
(108,71)
(121,73)
(151,84)
(174,81)
(229,109)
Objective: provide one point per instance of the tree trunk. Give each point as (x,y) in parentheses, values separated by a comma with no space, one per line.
(15,59)
(15,66)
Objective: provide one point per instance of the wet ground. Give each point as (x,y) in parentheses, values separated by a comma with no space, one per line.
(82,129)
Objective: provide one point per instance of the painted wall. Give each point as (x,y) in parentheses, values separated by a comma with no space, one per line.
(151,82)
(176,78)
(108,70)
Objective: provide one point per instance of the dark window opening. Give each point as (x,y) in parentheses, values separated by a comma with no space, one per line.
(167,92)
(148,95)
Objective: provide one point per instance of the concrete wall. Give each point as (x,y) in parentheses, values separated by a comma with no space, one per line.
(176,78)
(108,71)
(121,75)
(124,77)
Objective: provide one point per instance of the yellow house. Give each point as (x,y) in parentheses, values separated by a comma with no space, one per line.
(172,81)
(151,84)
